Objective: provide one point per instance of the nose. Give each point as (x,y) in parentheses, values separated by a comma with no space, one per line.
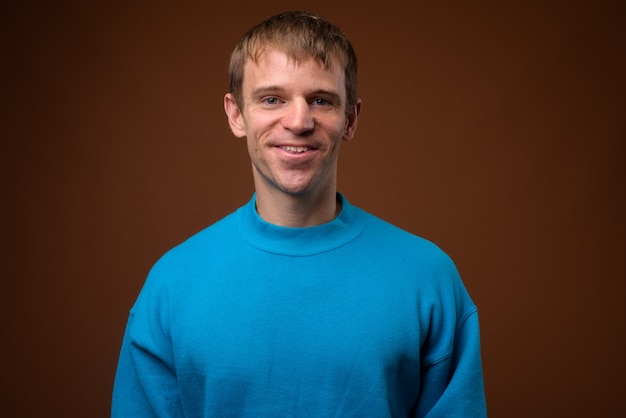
(298,117)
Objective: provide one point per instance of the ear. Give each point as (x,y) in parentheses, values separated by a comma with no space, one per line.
(352,120)
(235,118)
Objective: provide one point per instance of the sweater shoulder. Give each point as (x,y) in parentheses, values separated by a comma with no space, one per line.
(202,245)
(208,237)
(401,239)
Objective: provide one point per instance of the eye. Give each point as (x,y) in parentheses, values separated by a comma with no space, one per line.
(319,101)
(270,100)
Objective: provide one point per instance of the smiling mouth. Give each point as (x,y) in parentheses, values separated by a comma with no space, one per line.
(295,149)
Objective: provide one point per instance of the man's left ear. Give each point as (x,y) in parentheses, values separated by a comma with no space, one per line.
(351,121)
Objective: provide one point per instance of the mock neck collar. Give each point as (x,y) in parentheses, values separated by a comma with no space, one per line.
(299,241)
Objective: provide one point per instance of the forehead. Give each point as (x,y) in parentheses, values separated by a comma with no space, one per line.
(275,66)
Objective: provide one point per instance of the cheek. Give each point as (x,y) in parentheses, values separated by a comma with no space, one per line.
(259,127)
(252,146)
(338,131)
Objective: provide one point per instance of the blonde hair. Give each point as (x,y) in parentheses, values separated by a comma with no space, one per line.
(301,35)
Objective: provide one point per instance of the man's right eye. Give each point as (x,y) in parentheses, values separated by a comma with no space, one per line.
(270,100)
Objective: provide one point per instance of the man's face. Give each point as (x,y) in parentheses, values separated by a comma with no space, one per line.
(294,119)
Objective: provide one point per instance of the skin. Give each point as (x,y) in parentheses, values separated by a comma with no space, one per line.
(294,119)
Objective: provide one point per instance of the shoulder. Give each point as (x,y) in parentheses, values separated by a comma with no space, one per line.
(203,240)
(180,267)
(404,251)
(417,264)
(400,240)
(194,253)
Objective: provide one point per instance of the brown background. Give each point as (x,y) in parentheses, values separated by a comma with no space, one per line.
(494,129)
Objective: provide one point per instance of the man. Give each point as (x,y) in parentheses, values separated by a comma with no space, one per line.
(300,304)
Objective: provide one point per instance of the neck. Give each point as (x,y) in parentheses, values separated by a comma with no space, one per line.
(282,209)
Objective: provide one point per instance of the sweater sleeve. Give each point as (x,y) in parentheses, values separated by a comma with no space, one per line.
(145,382)
(452,386)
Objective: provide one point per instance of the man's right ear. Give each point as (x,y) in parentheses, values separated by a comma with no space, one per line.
(235,118)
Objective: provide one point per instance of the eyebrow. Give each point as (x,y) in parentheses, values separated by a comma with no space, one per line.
(262,91)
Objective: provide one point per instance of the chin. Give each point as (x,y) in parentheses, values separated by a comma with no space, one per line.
(296,191)
(296,186)
(299,189)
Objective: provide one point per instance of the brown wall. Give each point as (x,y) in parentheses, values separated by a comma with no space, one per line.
(495,130)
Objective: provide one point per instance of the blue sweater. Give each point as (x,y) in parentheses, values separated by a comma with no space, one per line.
(353,318)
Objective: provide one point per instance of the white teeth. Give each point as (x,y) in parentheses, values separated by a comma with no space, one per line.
(295,149)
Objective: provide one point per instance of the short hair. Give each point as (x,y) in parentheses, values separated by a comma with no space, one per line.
(301,35)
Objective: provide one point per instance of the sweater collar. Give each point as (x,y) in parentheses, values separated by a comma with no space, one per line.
(299,241)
